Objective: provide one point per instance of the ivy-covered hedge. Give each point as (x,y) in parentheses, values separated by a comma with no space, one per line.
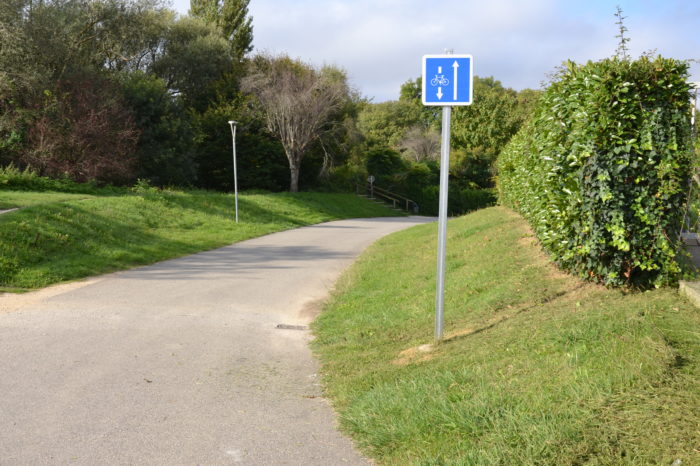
(601,170)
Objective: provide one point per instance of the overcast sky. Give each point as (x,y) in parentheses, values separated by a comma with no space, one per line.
(519,42)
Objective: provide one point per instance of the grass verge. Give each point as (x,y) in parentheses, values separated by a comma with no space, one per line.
(537,367)
(58,237)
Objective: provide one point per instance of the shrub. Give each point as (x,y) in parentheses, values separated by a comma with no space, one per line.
(12,178)
(600,171)
(84,131)
(346,178)
(459,200)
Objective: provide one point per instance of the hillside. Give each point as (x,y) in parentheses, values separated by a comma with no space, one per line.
(56,237)
(537,367)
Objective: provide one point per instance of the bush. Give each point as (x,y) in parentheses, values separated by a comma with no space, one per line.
(346,178)
(12,178)
(600,171)
(83,131)
(383,163)
(459,200)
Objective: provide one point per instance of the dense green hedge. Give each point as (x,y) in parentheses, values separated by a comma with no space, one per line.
(601,170)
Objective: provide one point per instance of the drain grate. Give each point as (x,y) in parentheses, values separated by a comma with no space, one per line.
(292,327)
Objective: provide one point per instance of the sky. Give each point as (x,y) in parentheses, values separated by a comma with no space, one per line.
(380,43)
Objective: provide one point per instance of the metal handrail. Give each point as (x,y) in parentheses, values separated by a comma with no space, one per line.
(386,195)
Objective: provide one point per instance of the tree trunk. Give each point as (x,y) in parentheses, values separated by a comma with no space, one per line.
(294,184)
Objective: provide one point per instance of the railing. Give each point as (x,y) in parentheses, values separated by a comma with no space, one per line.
(396,200)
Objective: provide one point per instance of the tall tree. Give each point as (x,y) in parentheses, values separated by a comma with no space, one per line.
(231,17)
(194,57)
(297,103)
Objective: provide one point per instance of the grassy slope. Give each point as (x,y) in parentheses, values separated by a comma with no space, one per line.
(83,235)
(12,199)
(537,367)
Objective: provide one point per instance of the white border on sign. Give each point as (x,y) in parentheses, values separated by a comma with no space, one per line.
(471,81)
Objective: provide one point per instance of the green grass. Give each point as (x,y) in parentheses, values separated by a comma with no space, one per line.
(19,199)
(537,367)
(59,237)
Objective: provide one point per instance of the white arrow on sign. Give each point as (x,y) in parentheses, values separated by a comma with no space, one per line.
(455,65)
(439,93)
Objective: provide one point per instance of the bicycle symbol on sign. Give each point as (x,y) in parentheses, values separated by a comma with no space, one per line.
(440,79)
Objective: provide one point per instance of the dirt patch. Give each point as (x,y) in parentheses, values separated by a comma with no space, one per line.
(539,257)
(10,302)
(527,241)
(416,354)
(311,309)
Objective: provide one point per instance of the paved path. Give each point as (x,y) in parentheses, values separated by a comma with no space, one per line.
(180,362)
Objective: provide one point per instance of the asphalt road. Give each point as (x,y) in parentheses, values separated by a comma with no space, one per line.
(181,362)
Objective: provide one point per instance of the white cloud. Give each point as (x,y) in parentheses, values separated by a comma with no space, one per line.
(380,42)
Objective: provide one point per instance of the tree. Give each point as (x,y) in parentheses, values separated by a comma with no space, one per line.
(421,144)
(195,56)
(61,110)
(84,131)
(164,151)
(412,93)
(385,123)
(231,17)
(296,101)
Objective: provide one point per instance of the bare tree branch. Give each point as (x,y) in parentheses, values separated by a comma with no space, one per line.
(296,101)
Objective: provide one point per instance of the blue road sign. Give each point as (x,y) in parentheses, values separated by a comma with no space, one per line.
(447,80)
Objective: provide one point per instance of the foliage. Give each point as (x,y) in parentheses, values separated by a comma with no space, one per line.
(231,17)
(472,168)
(479,131)
(383,163)
(260,158)
(420,183)
(346,178)
(421,144)
(601,170)
(622,51)
(537,367)
(12,178)
(494,117)
(195,57)
(384,124)
(62,110)
(297,102)
(412,93)
(84,131)
(164,151)
(459,200)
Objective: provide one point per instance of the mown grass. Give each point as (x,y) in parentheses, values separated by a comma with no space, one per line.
(537,367)
(59,237)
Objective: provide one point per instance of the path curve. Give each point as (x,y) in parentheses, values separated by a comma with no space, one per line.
(181,362)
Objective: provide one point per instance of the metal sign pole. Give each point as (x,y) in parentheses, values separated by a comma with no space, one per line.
(235,174)
(442,221)
(447,81)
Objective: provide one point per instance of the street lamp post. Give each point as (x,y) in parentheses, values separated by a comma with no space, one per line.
(235,174)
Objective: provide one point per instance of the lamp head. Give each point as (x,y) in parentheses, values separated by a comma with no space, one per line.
(231,122)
